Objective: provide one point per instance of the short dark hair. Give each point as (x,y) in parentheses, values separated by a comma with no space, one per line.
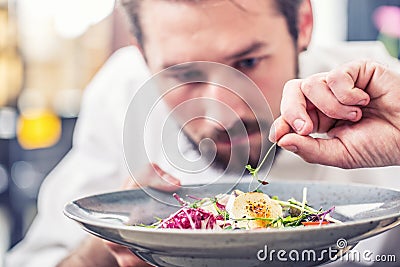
(288,8)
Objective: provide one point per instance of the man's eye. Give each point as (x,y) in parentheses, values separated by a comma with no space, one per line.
(247,63)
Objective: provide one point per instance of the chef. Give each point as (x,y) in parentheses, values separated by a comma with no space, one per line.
(267,40)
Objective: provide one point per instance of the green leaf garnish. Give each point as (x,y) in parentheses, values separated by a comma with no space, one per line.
(258,191)
(254,171)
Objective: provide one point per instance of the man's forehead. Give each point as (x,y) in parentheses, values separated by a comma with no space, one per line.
(253,7)
(241,4)
(172,17)
(175,32)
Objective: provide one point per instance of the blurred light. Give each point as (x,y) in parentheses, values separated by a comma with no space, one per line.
(8,118)
(39,8)
(3,179)
(73,17)
(40,20)
(36,30)
(387,20)
(25,177)
(31,99)
(23,174)
(103,8)
(67,102)
(70,20)
(38,129)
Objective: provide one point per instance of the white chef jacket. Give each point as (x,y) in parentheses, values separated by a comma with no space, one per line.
(96,163)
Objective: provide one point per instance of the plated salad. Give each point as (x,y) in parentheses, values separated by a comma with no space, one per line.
(240,210)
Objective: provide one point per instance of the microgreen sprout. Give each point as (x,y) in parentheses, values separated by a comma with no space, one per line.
(254,171)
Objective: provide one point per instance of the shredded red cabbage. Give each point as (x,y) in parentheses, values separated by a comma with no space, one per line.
(220,206)
(190,218)
(321,216)
(180,200)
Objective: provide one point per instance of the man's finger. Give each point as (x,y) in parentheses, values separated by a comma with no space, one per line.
(329,152)
(155,177)
(294,109)
(316,90)
(124,256)
(342,81)
(278,129)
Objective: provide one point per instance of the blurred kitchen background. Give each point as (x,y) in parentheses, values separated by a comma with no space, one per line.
(50,50)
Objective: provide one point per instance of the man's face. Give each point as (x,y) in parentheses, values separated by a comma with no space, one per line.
(250,36)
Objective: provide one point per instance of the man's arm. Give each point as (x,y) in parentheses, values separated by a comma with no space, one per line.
(97,252)
(93,252)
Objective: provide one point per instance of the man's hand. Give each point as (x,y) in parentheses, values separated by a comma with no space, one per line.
(97,252)
(357,105)
(123,256)
(152,176)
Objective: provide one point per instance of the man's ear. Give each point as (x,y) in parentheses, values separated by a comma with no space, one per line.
(304,25)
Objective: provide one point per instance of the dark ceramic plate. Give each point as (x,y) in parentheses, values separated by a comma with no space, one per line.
(364,210)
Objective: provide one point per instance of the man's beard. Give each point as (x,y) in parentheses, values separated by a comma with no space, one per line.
(233,159)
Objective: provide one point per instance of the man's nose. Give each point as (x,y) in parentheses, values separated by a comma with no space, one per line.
(223,104)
